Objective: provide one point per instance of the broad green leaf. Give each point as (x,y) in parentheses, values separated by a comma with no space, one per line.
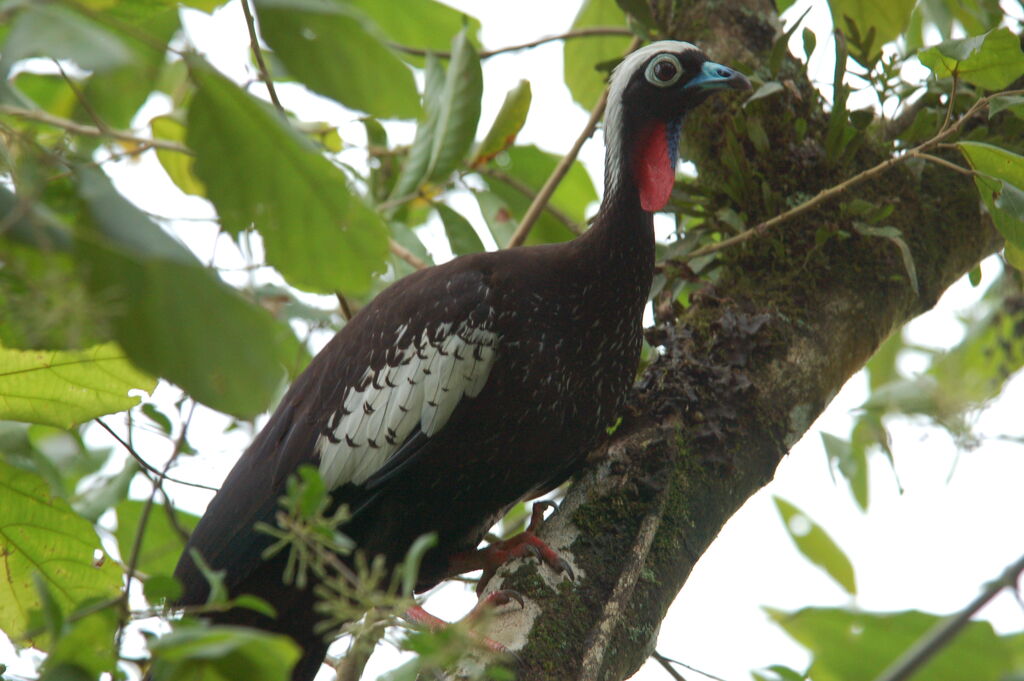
(50,93)
(63,388)
(816,545)
(584,56)
(422,24)
(1014,256)
(992,61)
(1014,103)
(161,543)
(175,317)
(451,101)
(768,89)
(497,215)
(41,535)
(335,52)
(316,232)
(461,235)
(529,167)
(178,166)
(214,653)
(116,95)
(1003,198)
(873,23)
(51,30)
(86,645)
(507,124)
(860,645)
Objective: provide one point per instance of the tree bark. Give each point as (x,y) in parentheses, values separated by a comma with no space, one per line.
(744,370)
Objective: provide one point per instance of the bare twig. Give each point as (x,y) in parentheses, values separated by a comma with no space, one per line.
(343,306)
(406,255)
(579,33)
(666,664)
(257,52)
(148,467)
(834,191)
(666,661)
(952,101)
(528,192)
(943,632)
(91,130)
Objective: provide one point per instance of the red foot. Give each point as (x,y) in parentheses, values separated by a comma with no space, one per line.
(523,545)
(420,616)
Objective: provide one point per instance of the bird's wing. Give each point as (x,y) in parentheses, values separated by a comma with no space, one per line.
(366,406)
(395,408)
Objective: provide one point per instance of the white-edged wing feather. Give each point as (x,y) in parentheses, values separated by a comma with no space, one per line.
(422,385)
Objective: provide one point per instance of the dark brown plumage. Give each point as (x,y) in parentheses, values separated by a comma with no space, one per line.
(465,388)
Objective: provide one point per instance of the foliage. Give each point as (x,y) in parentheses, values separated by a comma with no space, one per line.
(99,299)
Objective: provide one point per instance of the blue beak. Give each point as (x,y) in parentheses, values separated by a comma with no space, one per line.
(717,77)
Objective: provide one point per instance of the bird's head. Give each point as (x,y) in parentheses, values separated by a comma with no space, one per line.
(649,94)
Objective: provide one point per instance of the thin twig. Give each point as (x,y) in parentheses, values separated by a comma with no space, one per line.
(579,33)
(343,306)
(91,130)
(258,53)
(83,102)
(943,632)
(528,192)
(406,255)
(145,464)
(834,191)
(952,102)
(667,666)
(663,660)
(946,164)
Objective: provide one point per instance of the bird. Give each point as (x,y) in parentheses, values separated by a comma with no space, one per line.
(468,387)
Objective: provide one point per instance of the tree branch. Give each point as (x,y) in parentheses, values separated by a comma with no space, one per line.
(257,51)
(91,130)
(579,33)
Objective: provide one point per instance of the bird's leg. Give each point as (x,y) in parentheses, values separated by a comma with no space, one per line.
(496,599)
(523,545)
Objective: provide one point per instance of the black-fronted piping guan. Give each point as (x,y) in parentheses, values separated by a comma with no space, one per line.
(465,388)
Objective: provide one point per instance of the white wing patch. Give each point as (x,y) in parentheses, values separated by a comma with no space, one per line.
(423,386)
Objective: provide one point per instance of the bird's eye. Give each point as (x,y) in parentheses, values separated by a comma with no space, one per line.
(663,71)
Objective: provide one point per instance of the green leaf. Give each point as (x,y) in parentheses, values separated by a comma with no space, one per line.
(507,124)
(860,645)
(50,93)
(584,55)
(161,542)
(852,463)
(1013,103)
(423,24)
(815,544)
(335,52)
(214,653)
(1001,190)
(317,233)
(992,61)
(116,95)
(768,89)
(87,645)
(1014,256)
(528,169)
(175,317)
(41,535)
(875,23)
(451,101)
(497,215)
(179,166)
(65,388)
(44,29)
(896,237)
(461,235)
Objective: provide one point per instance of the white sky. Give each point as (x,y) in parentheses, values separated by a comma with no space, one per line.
(955,526)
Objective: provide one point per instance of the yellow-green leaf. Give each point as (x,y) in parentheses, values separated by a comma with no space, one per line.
(816,545)
(41,535)
(65,387)
(583,56)
(992,60)
(177,165)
